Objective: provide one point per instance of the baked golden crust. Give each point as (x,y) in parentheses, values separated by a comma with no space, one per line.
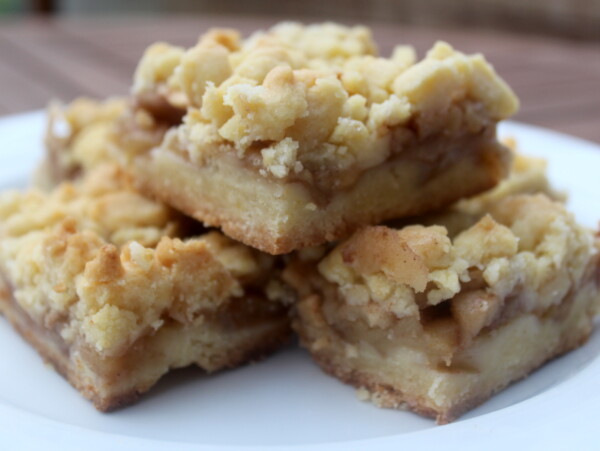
(372,386)
(110,279)
(278,217)
(414,317)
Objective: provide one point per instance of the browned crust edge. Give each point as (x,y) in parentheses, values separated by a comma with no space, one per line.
(496,165)
(273,341)
(25,326)
(47,346)
(393,397)
(260,238)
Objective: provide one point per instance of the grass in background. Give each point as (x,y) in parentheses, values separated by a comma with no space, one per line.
(11,7)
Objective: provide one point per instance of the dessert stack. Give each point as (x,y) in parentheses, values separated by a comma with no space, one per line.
(296,181)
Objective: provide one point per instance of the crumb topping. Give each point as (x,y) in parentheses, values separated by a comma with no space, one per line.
(527,176)
(102,265)
(78,135)
(317,96)
(103,202)
(528,245)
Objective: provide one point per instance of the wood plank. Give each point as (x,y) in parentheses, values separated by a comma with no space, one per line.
(128,39)
(68,62)
(19,91)
(544,98)
(46,82)
(557,80)
(586,129)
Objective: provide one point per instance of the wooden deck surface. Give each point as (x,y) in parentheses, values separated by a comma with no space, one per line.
(558,81)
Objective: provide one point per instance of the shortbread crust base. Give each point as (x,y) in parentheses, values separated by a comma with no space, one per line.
(400,377)
(221,341)
(278,216)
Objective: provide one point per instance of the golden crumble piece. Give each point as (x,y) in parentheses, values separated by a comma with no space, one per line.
(104,202)
(156,67)
(308,126)
(78,137)
(528,175)
(342,108)
(434,322)
(88,133)
(318,85)
(111,289)
(328,41)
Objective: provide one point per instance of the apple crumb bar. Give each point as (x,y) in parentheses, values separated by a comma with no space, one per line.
(415,319)
(301,134)
(114,289)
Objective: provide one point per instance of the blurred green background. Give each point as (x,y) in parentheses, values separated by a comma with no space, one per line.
(11,6)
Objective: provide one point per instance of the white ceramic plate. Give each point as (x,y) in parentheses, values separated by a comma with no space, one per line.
(286,400)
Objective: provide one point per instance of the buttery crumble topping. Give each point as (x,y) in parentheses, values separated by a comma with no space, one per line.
(78,135)
(527,176)
(526,244)
(317,96)
(98,262)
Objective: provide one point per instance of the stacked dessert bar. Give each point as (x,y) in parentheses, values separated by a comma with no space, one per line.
(426,262)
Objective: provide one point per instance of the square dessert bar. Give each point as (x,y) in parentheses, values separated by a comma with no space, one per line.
(299,135)
(417,320)
(114,290)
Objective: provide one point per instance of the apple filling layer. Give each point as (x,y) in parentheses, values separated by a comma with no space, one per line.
(114,289)
(246,330)
(415,319)
(278,216)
